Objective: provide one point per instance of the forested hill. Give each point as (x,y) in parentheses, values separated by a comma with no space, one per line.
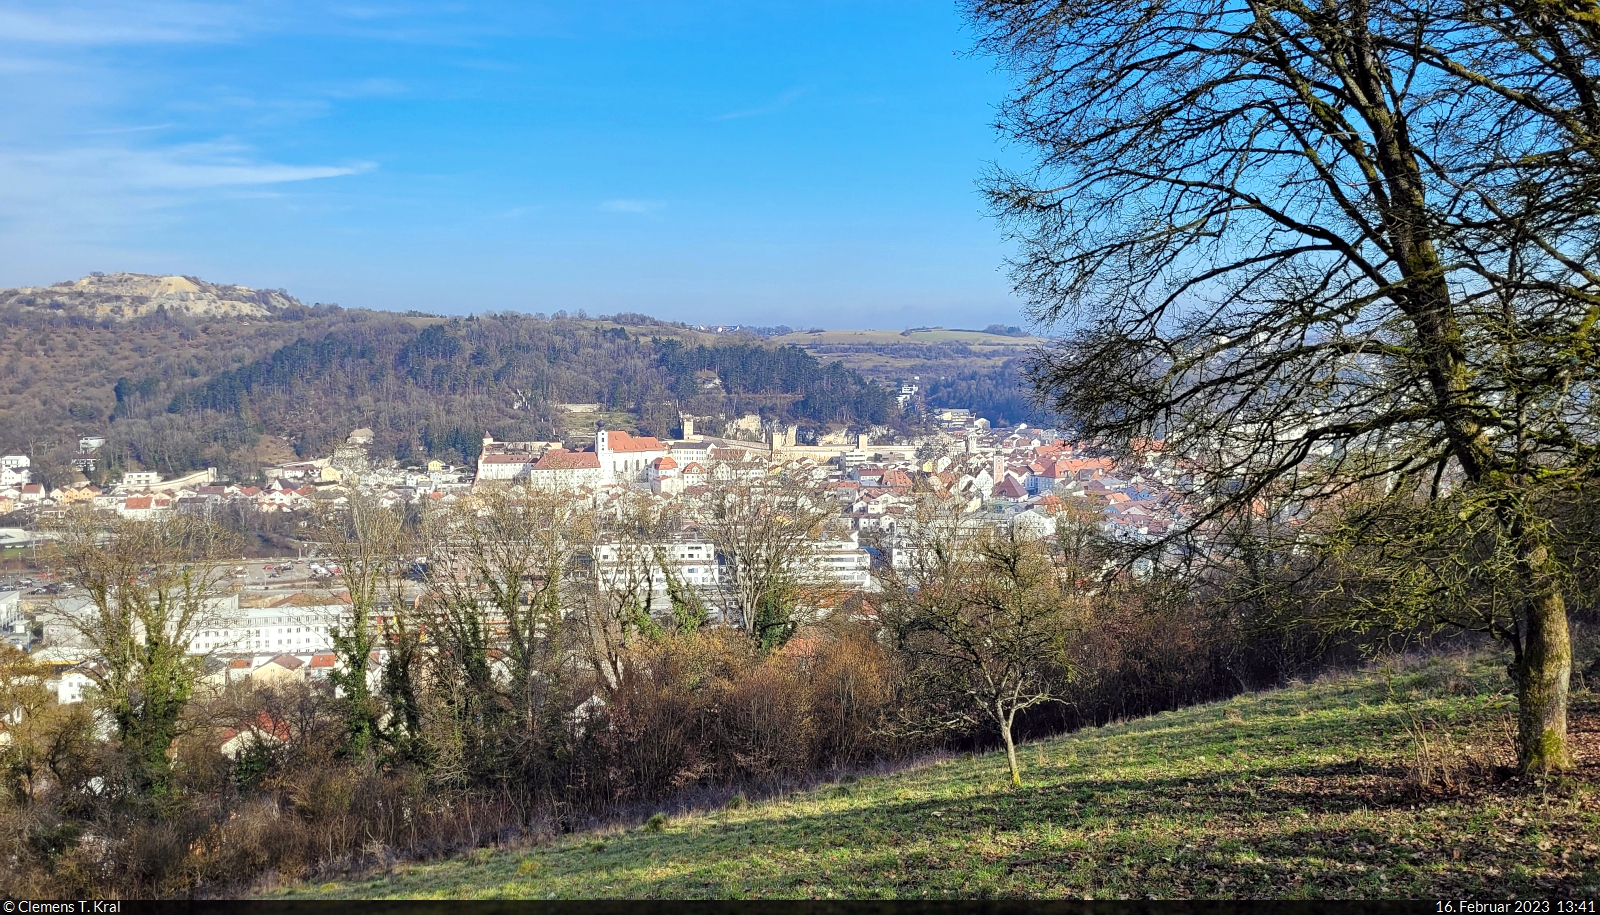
(174,391)
(438,389)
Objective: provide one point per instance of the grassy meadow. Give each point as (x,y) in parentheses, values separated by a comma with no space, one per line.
(1387,783)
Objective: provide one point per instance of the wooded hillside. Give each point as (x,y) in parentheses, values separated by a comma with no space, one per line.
(175,391)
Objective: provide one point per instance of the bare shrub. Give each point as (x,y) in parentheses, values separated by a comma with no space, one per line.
(657,725)
(764,726)
(852,695)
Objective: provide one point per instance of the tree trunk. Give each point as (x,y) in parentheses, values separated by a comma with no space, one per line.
(1011,751)
(1543,676)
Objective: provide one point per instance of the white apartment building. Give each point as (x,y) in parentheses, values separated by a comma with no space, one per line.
(693,562)
(845,564)
(14,470)
(284,629)
(10,610)
(561,470)
(841,563)
(497,467)
(224,627)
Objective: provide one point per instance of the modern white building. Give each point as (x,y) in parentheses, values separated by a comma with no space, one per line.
(10,610)
(149,479)
(293,625)
(296,624)
(694,562)
(14,470)
(845,564)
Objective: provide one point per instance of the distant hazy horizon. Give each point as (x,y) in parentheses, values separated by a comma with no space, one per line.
(802,164)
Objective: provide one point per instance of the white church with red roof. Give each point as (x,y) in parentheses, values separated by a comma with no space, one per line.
(626,458)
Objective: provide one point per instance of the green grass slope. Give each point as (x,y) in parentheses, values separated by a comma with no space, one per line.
(1382,784)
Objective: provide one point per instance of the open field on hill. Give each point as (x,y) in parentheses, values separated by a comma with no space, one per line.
(1382,784)
(935,335)
(890,357)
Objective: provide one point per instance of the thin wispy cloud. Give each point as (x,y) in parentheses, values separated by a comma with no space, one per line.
(367,11)
(93,23)
(26,65)
(198,165)
(778,104)
(447,24)
(116,130)
(641,207)
(107,197)
(117,182)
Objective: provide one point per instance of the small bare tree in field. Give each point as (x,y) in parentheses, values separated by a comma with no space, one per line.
(152,586)
(982,614)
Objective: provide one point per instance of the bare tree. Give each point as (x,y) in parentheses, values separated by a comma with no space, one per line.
(152,586)
(765,532)
(43,745)
(500,567)
(1316,246)
(984,618)
(368,543)
(629,564)
(984,615)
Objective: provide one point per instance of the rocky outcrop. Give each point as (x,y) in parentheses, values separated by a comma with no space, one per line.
(124,296)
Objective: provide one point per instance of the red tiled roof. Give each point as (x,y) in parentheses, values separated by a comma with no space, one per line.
(1010,489)
(562,459)
(137,502)
(622,441)
(664,463)
(263,724)
(320,661)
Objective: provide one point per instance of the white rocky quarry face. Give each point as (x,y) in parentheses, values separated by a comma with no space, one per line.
(124,296)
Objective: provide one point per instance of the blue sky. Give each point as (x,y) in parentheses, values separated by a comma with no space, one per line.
(807,163)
